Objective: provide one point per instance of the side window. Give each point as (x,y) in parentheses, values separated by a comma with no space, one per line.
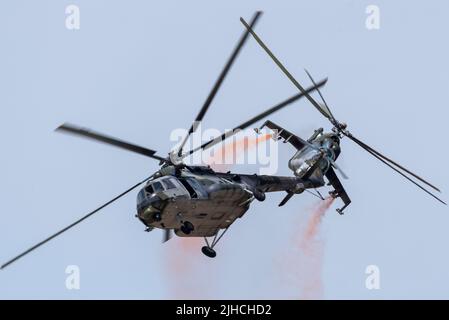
(157,186)
(188,187)
(169,184)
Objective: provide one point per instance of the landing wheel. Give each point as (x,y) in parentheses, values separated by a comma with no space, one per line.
(208,251)
(187,227)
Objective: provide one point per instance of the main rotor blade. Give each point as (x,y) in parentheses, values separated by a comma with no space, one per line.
(367,147)
(72,225)
(286,72)
(255,119)
(219,81)
(90,134)
(328,110)
(384,161)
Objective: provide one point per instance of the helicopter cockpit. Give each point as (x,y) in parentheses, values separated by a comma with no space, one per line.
(304,160)
(331,143)
(324,149)
(151,198)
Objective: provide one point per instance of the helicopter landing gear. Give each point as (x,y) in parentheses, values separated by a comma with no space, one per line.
(187,227)
(208,249)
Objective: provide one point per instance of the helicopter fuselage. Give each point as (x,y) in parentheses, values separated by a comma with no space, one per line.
(208,200)
(211,201)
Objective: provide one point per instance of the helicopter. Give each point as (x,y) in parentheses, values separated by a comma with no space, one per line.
(187,200)
(196,201)
(319,152)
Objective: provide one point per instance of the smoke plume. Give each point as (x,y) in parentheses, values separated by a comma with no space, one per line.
(187,272)
(224,158)
(304,260)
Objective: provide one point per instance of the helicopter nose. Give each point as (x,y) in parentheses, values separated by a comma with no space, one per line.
(152,202)
(150,209)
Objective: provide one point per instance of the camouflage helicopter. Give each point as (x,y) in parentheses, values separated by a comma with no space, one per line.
(196,201)
(315,157)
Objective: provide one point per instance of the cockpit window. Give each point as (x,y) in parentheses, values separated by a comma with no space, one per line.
(149,189)
(169,184)
(157,186)
(140,196)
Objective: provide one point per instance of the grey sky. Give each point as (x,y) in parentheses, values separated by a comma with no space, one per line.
(138,69)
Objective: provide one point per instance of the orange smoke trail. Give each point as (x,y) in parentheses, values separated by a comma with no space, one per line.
(304,261)
(314,222)
(184,269)
(186,273)
(313,253)
(226,157)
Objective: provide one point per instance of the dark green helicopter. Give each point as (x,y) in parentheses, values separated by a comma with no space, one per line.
(196,201)
(326,146)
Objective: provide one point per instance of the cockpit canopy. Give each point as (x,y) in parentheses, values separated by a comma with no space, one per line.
(151,194)
(154,187)
(159,185)
(312,156)
(331,142)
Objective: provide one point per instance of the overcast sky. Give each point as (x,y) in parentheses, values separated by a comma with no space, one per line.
(139,69)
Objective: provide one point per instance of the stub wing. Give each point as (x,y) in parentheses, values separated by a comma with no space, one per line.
(280,132)
(339,189)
